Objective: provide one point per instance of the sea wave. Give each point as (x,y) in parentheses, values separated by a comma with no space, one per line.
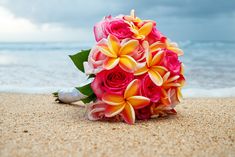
(187,93)
(217,92)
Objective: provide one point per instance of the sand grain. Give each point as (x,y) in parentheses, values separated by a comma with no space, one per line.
(33,125)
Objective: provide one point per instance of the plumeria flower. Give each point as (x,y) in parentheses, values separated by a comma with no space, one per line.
(140,28)
(119,53)
(132,17)
(152,66)
(167,45)
(143,31)
(125,104)
(161,110)
(169,82)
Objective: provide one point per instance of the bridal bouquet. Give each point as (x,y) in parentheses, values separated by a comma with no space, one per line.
(134,71)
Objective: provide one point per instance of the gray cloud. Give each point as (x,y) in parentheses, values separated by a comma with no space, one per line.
(196,17)
(80,12)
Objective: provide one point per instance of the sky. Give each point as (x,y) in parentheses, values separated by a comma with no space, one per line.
(73,20)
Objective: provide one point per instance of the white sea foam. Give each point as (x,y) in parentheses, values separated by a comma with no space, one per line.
(46,67)
(187,93)
(219,92)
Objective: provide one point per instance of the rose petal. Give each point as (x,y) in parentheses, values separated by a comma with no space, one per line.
(96,110)
(138,102)
(112,99)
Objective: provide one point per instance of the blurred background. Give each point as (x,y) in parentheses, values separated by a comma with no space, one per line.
(37,36)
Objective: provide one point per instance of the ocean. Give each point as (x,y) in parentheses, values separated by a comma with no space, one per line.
(44,67)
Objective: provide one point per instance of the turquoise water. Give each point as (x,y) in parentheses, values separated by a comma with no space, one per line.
(45,67)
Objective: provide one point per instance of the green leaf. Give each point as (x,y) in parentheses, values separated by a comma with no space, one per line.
(55,94)
(91,76)
(89,99)
(86,90)
(79,58)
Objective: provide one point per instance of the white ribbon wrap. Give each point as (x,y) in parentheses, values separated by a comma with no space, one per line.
(70,95)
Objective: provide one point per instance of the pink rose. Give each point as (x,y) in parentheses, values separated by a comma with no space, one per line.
(96,110)
(139,55)
(112,81)
(171,62)
(115,26)
(150,90)
(155,35)
(95,61)
(143,113)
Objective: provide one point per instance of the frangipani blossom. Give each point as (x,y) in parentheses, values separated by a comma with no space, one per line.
(152,66)
(119,53)
(175,82)
(161,110)
(143,31)
(126,103)
(133,18)
(140,28)
(166,45)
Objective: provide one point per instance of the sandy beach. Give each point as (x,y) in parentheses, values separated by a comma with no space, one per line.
(34,125)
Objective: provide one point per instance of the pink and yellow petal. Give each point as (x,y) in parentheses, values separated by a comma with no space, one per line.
(129,47)
(157,58)
(128,114)
(172,84)
(146,29)
(155,77)
(166,76)
(179,94)
(132,88)
(171,79)
(177,50)
(156,46)
(164,93)
(113,44)
(182,69)
(105,50)
(160,69)
(113,99)
(141,71)
(111,111)
(127,63)
(138,102)
(110,63)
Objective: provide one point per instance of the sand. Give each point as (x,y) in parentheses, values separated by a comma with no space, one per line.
(34,125)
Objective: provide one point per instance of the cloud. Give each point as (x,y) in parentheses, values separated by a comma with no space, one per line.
(75,12)
(21,29)
(74,19)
